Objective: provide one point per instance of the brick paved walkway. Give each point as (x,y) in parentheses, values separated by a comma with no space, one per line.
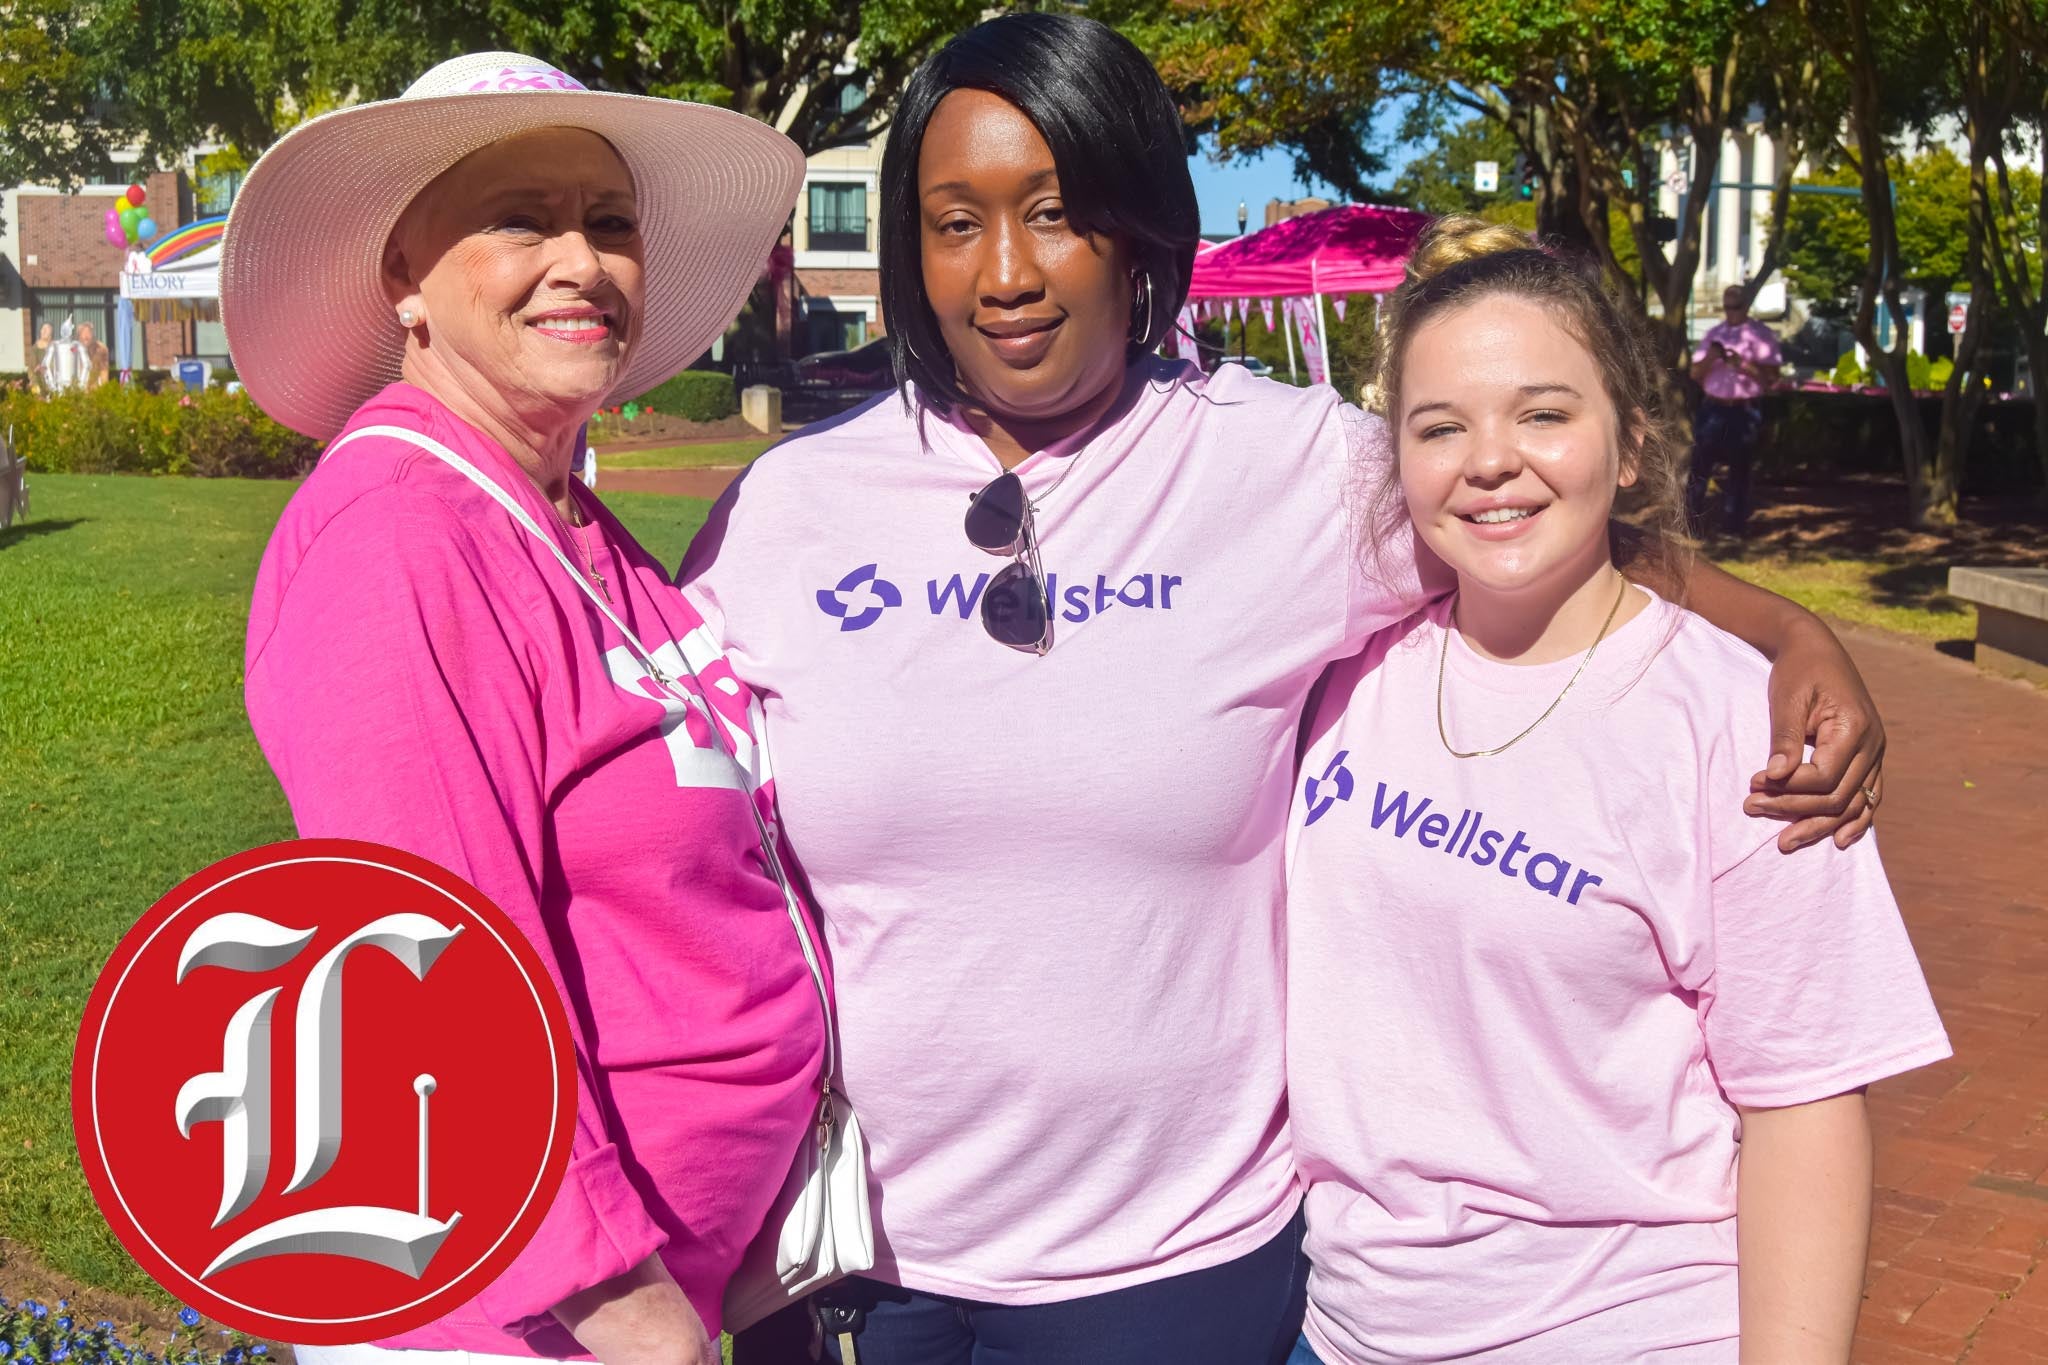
(1959,1245)
(688,483)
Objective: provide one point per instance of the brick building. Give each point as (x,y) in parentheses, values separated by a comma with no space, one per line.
(838,273)
(55,263)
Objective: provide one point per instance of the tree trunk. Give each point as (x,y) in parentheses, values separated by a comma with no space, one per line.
(2037,370)
(1880,279)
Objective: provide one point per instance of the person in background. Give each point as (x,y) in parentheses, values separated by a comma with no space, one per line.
(1034,632)
(98,364)
(1575,1054)
(1736,364)
(38,357)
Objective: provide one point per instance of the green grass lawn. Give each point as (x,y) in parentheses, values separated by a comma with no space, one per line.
(1910,598)
(705,455)
(126,764)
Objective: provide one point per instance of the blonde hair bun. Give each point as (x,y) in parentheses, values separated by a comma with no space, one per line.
(1458,238)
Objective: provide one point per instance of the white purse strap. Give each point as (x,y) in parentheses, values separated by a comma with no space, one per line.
(769,850)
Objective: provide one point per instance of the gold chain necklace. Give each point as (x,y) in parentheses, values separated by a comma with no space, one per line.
(1444,654)
(583,544)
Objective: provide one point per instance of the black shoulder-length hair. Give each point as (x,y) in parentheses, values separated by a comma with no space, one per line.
(1117,144)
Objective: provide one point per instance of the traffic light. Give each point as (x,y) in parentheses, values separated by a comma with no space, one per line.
(1523,177)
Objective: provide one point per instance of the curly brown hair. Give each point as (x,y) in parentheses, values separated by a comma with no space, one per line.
(1460,260)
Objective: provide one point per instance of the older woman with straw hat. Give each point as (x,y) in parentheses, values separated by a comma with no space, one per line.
(455,649)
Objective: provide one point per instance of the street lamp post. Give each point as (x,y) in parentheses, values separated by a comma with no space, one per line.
(1244,324)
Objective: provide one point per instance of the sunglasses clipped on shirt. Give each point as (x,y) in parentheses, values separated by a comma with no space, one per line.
(1014,609)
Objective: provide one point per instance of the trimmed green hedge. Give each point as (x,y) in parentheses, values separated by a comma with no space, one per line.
(698,395)
(1808,434)
(125,429)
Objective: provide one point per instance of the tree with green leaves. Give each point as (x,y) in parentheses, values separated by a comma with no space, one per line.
(1825,240)
(80,80)
(1905,64)
(2013,78)
(1590,91)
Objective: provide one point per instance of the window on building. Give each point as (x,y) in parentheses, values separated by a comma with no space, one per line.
(81,306)
(839,217)
(831,330)
(215,193)
(210,342)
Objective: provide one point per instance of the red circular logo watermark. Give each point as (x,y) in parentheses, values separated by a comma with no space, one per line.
(324,1091)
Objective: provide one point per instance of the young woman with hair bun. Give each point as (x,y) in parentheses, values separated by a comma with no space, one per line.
(1575,1056)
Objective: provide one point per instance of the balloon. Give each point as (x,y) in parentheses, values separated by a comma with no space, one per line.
(137,195)
(115,236)
(130,215)
(146,228)
(128,231)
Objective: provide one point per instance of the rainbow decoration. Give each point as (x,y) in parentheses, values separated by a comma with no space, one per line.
(181,242)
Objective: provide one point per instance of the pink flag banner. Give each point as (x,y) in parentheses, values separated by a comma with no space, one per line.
(1314,358)
(1337,302)
(1266,307)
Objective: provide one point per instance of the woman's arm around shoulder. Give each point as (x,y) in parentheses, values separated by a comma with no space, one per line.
(1816,695)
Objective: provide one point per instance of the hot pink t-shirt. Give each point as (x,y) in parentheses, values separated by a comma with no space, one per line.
(422,673)
(1750,340)
(1526,993)
(1052,886)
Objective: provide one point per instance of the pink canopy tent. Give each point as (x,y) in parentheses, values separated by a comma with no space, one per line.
(1351,249)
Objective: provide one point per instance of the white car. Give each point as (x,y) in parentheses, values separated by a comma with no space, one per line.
(1252,363)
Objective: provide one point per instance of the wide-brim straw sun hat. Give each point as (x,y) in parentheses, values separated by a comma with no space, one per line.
(310,329)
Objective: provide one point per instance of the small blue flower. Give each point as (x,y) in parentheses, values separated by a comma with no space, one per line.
(26,1360)
(6,1349)
(64,1323)
(36,1310)
(259,1349)
(189,1316)
(233,1357)
(61,1353)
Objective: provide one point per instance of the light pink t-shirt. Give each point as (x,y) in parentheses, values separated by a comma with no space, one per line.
(1052,886)
(422,673)
(1750,340)
(1526,993)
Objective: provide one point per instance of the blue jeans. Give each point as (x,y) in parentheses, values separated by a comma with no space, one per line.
(1724,434)
(1304,1354)
(1243,1312)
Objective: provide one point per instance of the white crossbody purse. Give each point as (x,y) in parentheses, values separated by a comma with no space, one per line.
(819,1229)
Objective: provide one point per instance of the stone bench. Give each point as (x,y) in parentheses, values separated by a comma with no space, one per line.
(2012,618)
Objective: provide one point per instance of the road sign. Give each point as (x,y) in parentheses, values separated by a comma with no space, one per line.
(1485,176)
(1958,313)
(1677,181)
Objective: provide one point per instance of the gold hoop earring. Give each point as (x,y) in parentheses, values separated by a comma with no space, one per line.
(1141,315)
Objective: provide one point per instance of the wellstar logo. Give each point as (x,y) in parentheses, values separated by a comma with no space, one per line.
(1323,792)
(860,598)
